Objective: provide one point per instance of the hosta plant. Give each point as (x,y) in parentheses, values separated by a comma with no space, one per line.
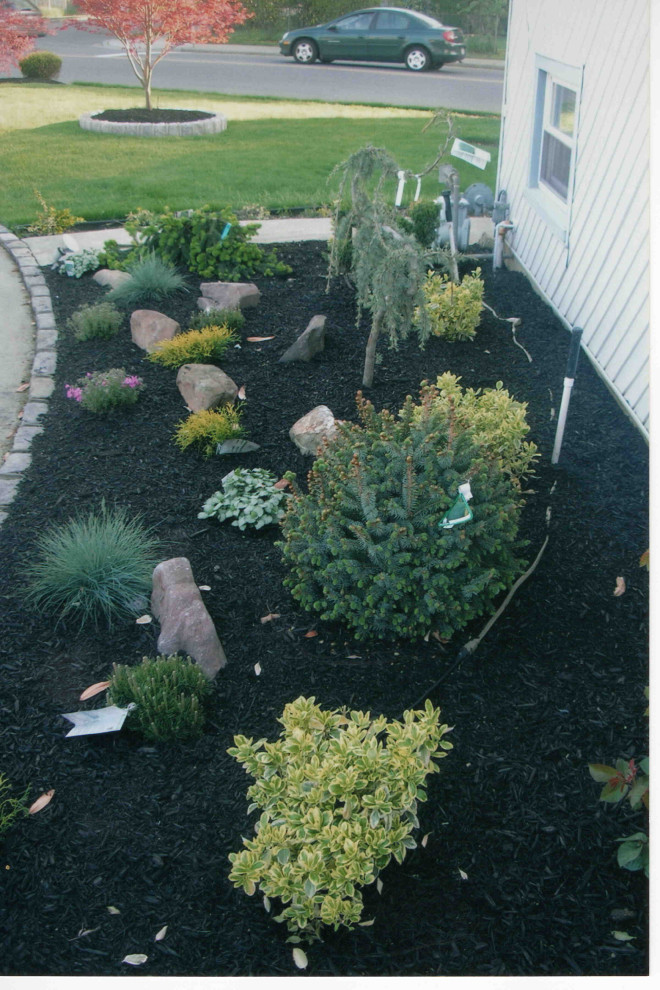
(169,693)
(195,347)
(454,310)
(248,497)
(208,428)
(366,545)
(338,795)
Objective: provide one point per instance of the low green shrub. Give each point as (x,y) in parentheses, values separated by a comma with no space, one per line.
(248,498)
(95,322)
(152,281)
(424,218)
(454,310)
(338,793)
(366,546)
(195,347)
(40,65)
(106,391)
(11,808)
(51,220)
(169,693)
(233,319)
(208,428)
(96,566)
(496,421)
(77,263)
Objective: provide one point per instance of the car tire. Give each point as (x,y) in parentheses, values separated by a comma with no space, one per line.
(305,51)
(417,59)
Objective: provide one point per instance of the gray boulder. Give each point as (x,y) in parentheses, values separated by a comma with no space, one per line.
(309,432)
(228,295)
(310,342)
(148,327)
(203,386)
(111,278)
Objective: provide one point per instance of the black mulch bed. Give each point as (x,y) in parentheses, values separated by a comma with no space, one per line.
(519,874)
(140,115)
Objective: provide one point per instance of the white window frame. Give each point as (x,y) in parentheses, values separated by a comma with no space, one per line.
(547,201)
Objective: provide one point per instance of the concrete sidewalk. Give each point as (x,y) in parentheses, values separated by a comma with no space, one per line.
(17,334)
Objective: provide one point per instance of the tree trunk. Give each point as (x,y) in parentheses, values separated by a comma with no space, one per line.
(370,353)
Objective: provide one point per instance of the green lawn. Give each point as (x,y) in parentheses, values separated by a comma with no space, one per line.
(278,157)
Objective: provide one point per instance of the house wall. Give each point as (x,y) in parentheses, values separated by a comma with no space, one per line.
(596,275)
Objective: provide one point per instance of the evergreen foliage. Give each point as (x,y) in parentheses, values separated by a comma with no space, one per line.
(208,428)
(95,322)
(233,319)
(364,546)
(169,694)
(454,310)
(11,808)
(338,793)
(195,347)
(152,281)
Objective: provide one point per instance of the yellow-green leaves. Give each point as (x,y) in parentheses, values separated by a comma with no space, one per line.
(454,310)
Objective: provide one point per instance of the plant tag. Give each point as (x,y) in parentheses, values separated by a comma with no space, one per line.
(225,231)
(91,723)
(468,153)
(236,447)
(465,491)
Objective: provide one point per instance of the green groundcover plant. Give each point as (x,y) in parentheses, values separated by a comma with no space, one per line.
(95,567)
(366,545)
(105,391)
(233,319)
(454,311)
(248,497)
(208,428)
(100,321)
(338,795)
(11,808)
(196,346)
(169,692)
(76,263)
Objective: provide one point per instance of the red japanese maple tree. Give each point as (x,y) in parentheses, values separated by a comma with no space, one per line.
(149,29)
(18,35)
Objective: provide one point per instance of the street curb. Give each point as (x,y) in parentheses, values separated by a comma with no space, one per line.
(43,368)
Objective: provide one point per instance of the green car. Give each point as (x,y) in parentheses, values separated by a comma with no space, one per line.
(379,34)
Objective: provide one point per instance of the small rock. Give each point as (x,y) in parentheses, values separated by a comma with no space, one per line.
(148,327)
(111,278)
(185,625)
(310,342)
(228,295)
(309,432)
(203,386)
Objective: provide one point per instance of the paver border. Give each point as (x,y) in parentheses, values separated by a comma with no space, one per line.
(43,367)
(185,128)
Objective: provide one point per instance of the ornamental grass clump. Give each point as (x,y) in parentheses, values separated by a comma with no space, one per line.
(95,567)
(105,391)
(170,694)
(338,793)
(366,546)
(152,282)
(98,322)
(208,428)
(248,498)
(233,319)
(194,347)
(11,808)
(453,310)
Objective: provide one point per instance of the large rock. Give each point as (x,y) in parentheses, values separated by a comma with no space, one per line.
(204,386)
(148,327)
(108,276)
(228,295)
(312,429)
(309,343)
(185,625)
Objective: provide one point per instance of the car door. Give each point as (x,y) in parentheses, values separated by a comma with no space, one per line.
(388,36)
(346,37)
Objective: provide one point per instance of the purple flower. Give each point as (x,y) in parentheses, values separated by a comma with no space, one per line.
(132,381)
(73,392)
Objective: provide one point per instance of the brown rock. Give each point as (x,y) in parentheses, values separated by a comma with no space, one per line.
(309,343)
(228,295)
(185,624)
(108,276)
(309,432)
(204,386)
(148,327)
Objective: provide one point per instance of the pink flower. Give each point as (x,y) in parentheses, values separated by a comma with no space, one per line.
(73,392)
(132,381)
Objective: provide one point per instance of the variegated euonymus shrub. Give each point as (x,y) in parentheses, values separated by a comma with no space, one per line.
(338,793)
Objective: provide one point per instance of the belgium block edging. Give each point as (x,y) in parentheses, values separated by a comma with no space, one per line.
(43,368)
(186,128)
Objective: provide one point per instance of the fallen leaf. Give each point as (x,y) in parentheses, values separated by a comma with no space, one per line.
(204,587)
(41,802)
(300,959)
(282,483)
(241,392)
(623,936)
(94,689)
(113,910)
(463,874)
(136,959)
(311,634)
(620,587)
(144,620)
(161,934)
(366,924)
(257,669)
(645,560)
(267,903)
(255,340)
(19,415)
(425,840)
(353,656)
(379,885)
(22,388)
(270,617)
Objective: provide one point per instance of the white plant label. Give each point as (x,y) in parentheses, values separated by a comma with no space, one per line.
(468,153)
(90,723)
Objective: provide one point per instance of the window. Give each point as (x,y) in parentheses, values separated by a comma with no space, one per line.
(554,141)
(355,22)
(391,20)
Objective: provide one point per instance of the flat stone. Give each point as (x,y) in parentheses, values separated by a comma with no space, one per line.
(46,339)
(228,295)
(41,388)
(185,624)
(8,488)
(309,432)
(44,363)
(203,386)
(32,412)
(24,436)
(15,463)
(148,327)
(108,276)
(310,342)
(41,304)
(45,321)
